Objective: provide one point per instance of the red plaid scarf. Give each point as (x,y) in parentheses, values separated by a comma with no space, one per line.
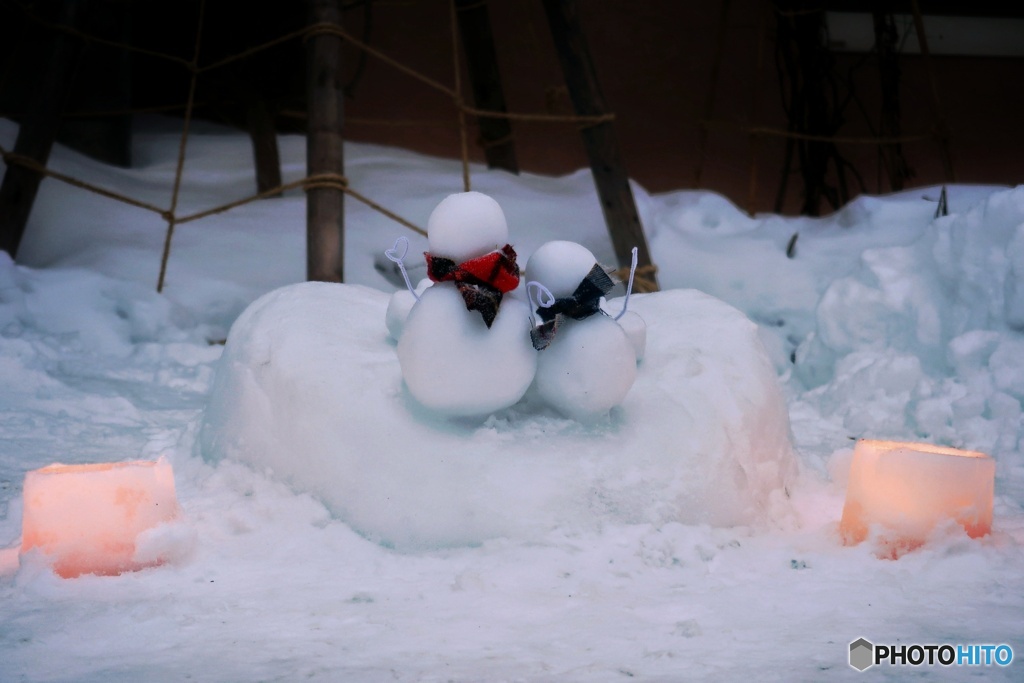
(482,281)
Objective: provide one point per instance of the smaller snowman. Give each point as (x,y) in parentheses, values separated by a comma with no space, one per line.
(586,362)
(464,348)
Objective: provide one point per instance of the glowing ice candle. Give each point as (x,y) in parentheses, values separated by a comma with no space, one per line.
(905,489)
(87,517)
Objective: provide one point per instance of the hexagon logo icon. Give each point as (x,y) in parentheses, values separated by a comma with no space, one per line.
(862,654)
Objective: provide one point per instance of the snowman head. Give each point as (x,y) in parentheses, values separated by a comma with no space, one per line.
(466,225)
(560,266)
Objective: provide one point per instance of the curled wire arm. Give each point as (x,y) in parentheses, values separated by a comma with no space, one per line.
(541,336)
(545,299)
(393,256)
(629,286)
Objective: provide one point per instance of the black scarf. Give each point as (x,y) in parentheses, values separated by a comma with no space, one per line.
(584,302)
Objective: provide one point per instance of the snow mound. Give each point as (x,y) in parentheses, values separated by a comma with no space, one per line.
(925,338)
(308,371)
(959,275)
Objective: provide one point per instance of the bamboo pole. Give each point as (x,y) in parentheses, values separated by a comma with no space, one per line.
(709,102)
(485,83)
(38,131)
(259,119)
(941,127)
(325,206)
(602,147)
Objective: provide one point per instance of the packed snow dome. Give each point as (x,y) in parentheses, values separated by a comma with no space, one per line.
(310,389)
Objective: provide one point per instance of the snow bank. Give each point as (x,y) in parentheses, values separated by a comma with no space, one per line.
(82,309)
(309,387)
(960,274)
(926,335)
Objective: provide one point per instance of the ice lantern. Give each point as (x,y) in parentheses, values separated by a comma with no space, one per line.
(87,517)
(908,488)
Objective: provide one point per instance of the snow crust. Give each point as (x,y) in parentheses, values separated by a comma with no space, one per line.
(309,389)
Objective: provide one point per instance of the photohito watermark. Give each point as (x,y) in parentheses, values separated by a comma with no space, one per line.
(865,654)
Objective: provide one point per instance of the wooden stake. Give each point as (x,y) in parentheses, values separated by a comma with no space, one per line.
(886,45)
(755,92)
(39,130)
(941,127)
(602,147)
(108,73)
(266,157)
(709,103)
(485,81)
(325,207)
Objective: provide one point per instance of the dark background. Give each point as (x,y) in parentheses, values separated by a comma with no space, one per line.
(655,60)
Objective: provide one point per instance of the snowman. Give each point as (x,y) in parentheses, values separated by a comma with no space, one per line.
(586,362)
(464,348)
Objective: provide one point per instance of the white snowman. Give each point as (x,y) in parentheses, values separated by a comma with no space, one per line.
(464,348)
(586,361)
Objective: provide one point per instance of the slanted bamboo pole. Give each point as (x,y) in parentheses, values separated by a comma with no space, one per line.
(485,83)
(38,130)
(602,147)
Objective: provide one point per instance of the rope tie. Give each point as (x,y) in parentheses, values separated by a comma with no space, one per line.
(798,12)
(22,160)
(588,122)
(488,144)
(180,169)
(10,158)
(795,135)
(326,181)
(642,282)
(323,29)
(475,5)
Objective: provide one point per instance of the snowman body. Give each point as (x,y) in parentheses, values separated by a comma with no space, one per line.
(455,365)
(588,364)
(458,360)
(635,328)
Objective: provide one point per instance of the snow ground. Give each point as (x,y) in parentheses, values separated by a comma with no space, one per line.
(887,323)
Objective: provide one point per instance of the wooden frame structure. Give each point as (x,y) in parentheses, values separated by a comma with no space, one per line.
(325,182)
